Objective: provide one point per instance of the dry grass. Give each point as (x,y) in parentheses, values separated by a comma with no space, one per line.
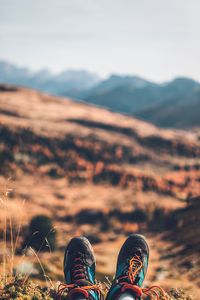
(9,243)
(50,264)
(17,286)
(19,290)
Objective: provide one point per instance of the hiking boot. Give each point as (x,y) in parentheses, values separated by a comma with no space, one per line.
(131,268)
(79,270)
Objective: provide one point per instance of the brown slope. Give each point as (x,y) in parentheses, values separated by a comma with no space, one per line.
(41,113)
(66,156)
(94,144)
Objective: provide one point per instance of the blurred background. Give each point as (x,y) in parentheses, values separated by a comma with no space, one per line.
(100,134)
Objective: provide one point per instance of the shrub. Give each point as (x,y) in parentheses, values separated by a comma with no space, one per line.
(90,216)
(159,219)
(138,215)
(41,234)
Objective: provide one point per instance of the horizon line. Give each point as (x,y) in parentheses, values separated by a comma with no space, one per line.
(101,78)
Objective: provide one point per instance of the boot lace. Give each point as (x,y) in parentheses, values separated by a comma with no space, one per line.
(79,278)
(155,292)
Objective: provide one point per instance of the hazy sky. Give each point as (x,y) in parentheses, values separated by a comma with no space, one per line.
(156,39)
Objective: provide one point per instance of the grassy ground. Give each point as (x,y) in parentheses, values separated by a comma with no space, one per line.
(50,264)
(20,289)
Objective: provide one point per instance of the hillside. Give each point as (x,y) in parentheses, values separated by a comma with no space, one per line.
(173,104)
(97,173)
(178,113)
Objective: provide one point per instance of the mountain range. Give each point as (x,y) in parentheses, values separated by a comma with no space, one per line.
(171,104)
(69,82)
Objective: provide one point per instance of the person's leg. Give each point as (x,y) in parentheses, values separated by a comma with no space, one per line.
(126,296)
(79,270)
(131,269)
